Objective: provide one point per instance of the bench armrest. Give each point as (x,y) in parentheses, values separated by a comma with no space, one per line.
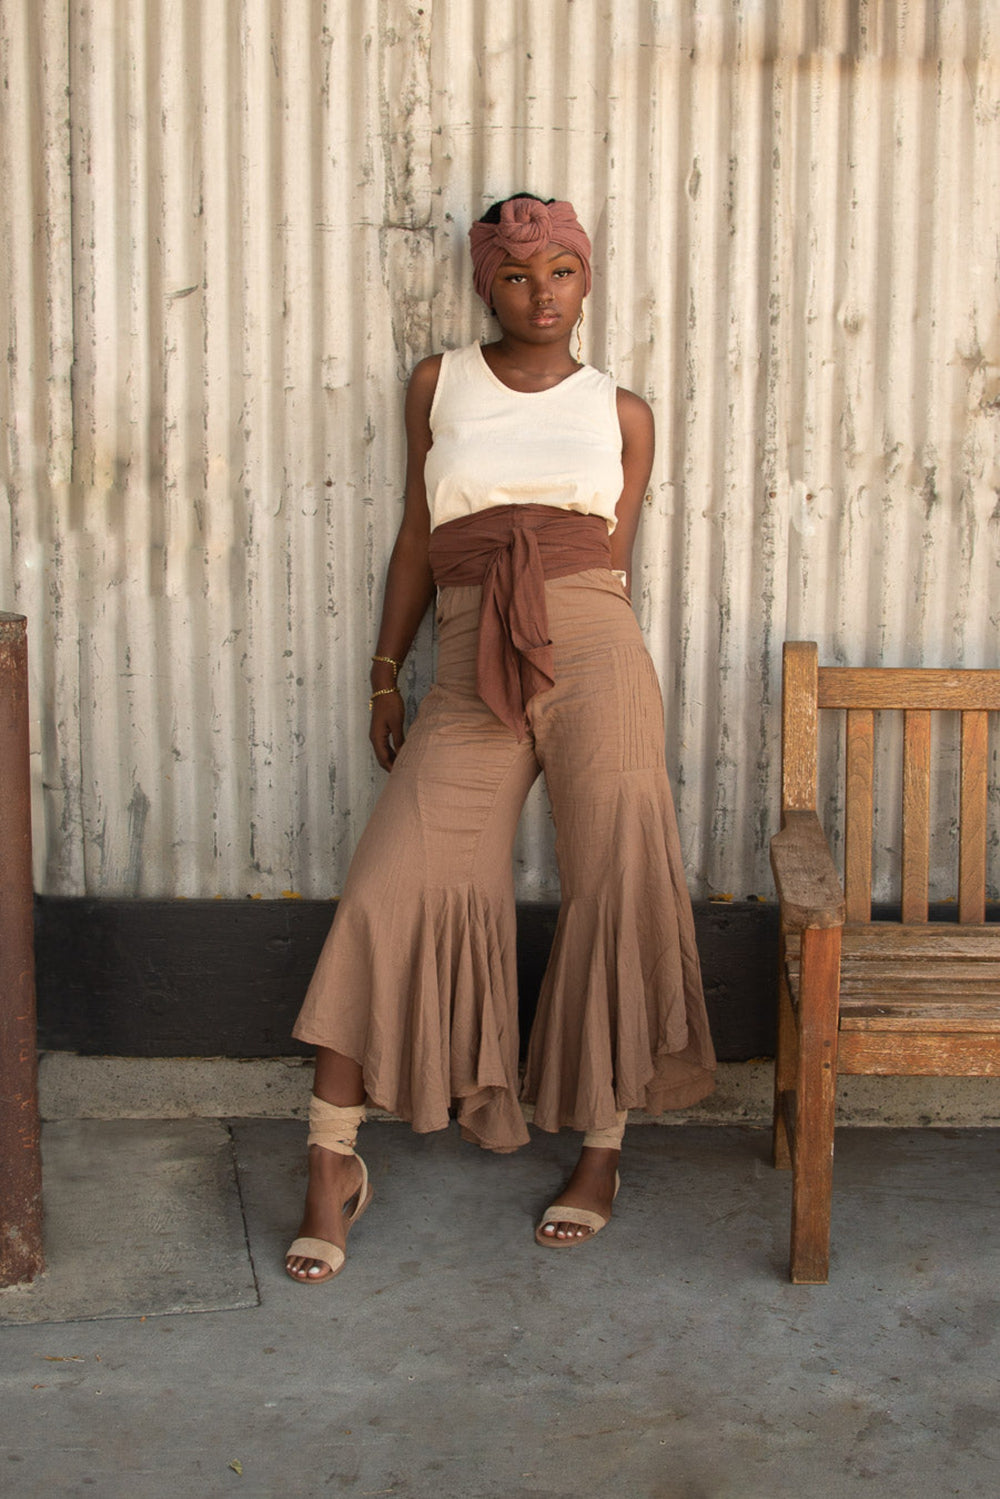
(808,888)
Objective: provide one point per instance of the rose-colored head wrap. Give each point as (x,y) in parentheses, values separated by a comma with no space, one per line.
(525,226)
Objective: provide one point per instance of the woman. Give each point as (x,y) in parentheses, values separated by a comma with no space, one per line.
(526,472)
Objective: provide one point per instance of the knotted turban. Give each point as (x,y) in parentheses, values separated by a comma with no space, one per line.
(525,227)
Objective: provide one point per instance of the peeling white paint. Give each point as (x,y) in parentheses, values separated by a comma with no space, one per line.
(229,230)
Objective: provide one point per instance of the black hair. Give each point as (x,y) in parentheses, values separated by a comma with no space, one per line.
(492,214)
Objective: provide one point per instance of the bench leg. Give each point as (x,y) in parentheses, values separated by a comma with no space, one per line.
(784,1069)
(816,1091)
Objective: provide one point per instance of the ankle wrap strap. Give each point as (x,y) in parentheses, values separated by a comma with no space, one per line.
(333,1127)
(608,1139)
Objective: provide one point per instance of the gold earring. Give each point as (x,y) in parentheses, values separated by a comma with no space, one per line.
(579,339)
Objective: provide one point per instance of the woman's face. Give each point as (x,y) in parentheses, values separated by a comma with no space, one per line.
(538,300)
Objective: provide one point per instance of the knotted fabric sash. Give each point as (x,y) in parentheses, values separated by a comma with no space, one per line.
(511,550)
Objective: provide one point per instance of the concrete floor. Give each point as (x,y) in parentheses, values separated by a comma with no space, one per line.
(454,1359)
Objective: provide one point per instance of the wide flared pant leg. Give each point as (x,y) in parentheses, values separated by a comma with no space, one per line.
(621,1019)
(417,980)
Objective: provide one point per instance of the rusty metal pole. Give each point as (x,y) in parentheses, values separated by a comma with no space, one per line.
(21,1256)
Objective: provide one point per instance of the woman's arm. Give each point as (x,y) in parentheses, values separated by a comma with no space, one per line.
(409,585)
(638,439)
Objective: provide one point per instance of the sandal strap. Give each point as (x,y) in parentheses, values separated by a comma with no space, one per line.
(318,1249)
(334,1127)
(362,1194)
(586,1219)
(322,1249)
(562,1213)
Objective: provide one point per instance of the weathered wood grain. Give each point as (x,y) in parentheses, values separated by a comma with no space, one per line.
(903,688)
(804,874)
(782,1141)
(913,997)
(916,813)
(878,941)
(905,1013)
(859,814)
(887,1054)
(972,837)
(815,1101)
(798,726)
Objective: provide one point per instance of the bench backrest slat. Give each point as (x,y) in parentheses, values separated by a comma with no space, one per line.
(917,693)
(916,813)
(858,821)
(972,835)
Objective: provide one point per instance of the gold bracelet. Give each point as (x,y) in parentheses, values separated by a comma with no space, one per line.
(389,662)
(382,692)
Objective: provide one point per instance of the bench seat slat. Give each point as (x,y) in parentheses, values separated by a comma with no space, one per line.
(916,1054)
(873,941)
(921,984)
(946,973)
(928,1009)
(906,1016)
(952,996)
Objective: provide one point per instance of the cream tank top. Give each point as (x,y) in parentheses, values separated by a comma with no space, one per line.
(497,446)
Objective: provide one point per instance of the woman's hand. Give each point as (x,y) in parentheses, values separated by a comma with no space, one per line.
(386,731)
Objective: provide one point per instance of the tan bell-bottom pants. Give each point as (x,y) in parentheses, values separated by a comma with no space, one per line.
(417,978)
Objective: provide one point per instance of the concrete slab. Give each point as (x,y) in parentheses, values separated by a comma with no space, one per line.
(455,1359)
(142,1218)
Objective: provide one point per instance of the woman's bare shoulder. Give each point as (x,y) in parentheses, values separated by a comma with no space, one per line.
(635,416)
(424,375)
(421,387)
(632,407)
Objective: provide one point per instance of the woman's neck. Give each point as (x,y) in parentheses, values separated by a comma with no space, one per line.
(526,366)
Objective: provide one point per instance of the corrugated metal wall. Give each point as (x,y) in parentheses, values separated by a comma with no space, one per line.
(230,227)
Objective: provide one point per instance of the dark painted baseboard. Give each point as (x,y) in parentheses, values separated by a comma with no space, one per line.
(159,978)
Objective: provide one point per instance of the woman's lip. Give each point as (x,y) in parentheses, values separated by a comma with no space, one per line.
(545,317)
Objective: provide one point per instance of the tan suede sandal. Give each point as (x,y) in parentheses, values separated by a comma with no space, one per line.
(563,1214)
(322,1249)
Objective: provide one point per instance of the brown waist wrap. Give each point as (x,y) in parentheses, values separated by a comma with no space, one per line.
(511,550)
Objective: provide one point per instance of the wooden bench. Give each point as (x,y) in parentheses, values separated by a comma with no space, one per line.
(860,996)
